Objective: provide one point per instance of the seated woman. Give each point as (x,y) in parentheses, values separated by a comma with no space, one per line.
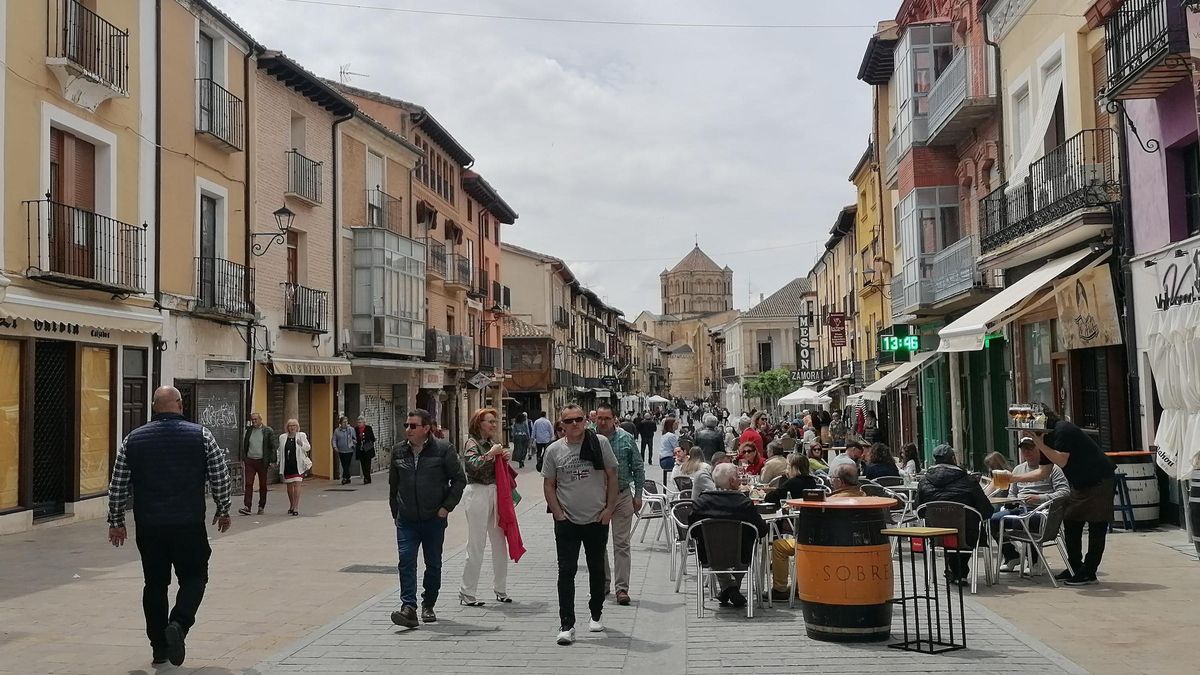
(881,463)
(691,467)
(911,460)
(816,458)
(680,455)
(784,548)
(995,462)
(751,459)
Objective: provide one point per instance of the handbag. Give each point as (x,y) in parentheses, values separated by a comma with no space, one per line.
(367,450)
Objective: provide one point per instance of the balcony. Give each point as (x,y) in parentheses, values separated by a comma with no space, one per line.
(592,382)
(462,351)
(224,289)
(387,293)
(458,272)
(945,275)
(562,317)
(501,297)
(480,286)
(491,359)
(595,346)
(219,114)
(1140,40)
(437,345)
(306,309)
(88,55)
(435,258)
(78,247)
(1075,176)
(576,380)
(897,296)
(962,97)
(384,211)
(304,178)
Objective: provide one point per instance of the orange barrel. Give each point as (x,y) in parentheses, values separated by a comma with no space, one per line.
(1138,468)
(844,568)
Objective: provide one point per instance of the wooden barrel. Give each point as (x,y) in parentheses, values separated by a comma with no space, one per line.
(844,568)
(1138,469)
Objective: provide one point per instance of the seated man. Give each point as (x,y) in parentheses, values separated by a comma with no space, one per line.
(777,465)
(726,502)
(784,547)
(703,480)
(855,448)
(946,481)
(1031,495)
(843,478)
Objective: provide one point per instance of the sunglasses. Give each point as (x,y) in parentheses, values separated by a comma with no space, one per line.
(410,425)
(572,420)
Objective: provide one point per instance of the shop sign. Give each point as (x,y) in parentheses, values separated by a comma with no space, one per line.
(311,368)
(433,379)
(804,349)
(479,380)
(54,327)
(1178,280)
(837,329)
(1087,310)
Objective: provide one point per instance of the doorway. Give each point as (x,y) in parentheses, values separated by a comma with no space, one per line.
(53,421)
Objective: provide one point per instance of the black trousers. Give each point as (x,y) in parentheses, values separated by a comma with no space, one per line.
(347,460)
(567,539)
(1073,541)
(648,448)
(184,547)
(541,452)
(365,464)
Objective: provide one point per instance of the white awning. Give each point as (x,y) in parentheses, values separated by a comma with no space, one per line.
(836,384)
(281,365)
(876,390)
(966,334)
(367,362)
(112,316)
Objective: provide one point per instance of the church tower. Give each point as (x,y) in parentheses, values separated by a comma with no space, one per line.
(696,285)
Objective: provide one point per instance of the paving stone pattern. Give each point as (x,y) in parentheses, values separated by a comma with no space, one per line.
(659,633)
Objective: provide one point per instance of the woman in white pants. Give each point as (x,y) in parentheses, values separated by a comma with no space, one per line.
(481,458)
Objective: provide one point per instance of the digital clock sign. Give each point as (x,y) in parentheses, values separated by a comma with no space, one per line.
(899,343)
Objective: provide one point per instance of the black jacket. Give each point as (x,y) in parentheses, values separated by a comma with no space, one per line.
(730,505)
(873,471)
(792,488)
(710,441)
(168,467)
(947,483)
(270,443)
(646,428)
(420,484)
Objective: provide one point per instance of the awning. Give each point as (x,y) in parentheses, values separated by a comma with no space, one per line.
(966,334)
(286,365)
(41,308)
(394,363)
(876,390)
(836,384)
(581,390)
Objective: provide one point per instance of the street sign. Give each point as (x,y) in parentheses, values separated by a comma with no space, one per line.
(609,381)
(803,346)
(801,375)
(837,329)
(479,380)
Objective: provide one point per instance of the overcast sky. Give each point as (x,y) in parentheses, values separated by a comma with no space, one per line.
(619,145)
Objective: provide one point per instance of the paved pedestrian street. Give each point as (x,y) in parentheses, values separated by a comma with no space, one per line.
(658,633)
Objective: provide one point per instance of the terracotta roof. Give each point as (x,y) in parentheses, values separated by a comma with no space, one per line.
(516,328)
(786,301)
(696,261)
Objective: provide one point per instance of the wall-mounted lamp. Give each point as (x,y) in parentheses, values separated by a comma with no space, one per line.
(283,223)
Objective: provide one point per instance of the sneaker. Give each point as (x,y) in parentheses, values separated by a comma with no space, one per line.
(566,637)
(260,510)
(776,596)
(176,651)
(594,626)
(427,615)
(622,597)
(1064,575)
(407,617)
(159,658)
(1082,580)
(737,599)
(1011,565)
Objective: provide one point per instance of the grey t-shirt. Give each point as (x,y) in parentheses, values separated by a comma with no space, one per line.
(581,488)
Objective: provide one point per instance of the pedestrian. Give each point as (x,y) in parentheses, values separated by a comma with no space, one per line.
(343,444)
(646,430)
(631,475)
(364,447)
(521,431)
(709,439)
(259,448)
(483,458)
(1090,474)
(295,462)
(543,436)
(164,465)
(871,431)
(666,448)
(421,502)
(580,485)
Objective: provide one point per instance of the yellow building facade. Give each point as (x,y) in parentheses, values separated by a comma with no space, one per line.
(872,263)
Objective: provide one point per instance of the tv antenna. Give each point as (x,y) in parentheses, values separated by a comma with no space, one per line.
(344,73)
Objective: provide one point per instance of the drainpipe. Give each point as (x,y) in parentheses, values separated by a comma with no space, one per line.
(156,340)
(248,218)
(996,72)
(1123,243)
(337,235)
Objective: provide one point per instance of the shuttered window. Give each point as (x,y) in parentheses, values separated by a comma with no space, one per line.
(72,170)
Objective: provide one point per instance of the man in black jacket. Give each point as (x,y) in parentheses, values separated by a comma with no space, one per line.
(709,439)
(726,502)
(948,482)
(259,448)
(646,428)
(426,482)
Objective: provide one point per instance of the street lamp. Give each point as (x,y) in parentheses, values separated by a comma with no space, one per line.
(283,223)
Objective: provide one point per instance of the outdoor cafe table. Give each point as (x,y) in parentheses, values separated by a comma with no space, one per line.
(944,641)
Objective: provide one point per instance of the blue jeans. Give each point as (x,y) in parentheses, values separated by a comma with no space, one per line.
(1010,551)
(429,535)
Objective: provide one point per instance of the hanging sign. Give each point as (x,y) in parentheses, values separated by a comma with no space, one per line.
(837,329)
(1087,310)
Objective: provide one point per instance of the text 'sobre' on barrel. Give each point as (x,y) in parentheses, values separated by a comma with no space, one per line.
(844,568)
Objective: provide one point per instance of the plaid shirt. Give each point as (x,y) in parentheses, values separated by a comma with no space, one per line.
(630,470)
(218,481)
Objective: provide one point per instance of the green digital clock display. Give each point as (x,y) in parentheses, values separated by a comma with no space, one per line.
(899,343)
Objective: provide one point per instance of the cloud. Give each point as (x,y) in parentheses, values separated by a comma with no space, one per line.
(626,143)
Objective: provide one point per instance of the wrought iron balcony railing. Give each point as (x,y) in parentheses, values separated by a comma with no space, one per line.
(305,309)
(1140,39)
(1076,175)
(562,317)
(384,211)
(462,351)
(480,286)
(82,248)
(304,177)
(95,47)
(224,288)
(436,257)
(491,359)
(219,113)
(459,272)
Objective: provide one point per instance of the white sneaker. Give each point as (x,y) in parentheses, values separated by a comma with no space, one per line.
(566,637)
(595,626)
(1011,565)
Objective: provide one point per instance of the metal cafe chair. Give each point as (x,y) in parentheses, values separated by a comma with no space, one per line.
(1041,528)
(680,544)
(683,484)
(654,506)
(955,515)
(723,546)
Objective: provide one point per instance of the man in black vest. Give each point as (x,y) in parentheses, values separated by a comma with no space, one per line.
(164,464)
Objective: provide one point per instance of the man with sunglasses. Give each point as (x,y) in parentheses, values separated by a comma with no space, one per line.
(426,482)
(580,484)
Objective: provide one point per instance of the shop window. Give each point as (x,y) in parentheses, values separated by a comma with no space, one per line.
(10,429)
(1036,339)
(1191,186)
(95,419)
